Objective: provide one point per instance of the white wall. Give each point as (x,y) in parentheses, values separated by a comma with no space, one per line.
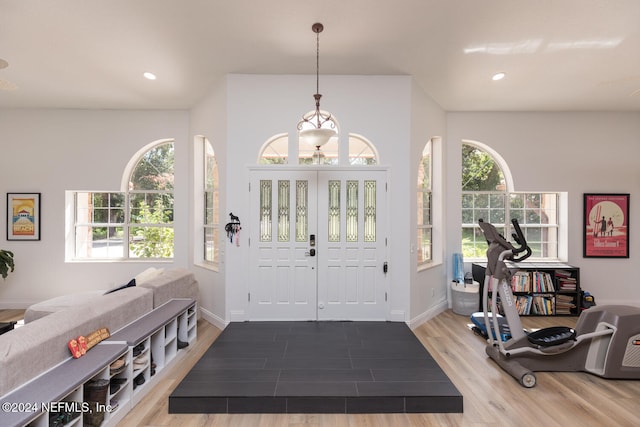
(574,152)
(377,107)
(429,286)
(51,151)
(208,118)
(62,150)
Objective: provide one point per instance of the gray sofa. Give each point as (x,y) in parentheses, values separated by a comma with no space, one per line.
(41,343)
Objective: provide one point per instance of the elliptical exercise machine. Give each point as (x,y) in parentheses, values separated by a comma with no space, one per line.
(605,342)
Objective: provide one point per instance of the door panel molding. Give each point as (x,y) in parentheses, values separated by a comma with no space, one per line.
(345,280)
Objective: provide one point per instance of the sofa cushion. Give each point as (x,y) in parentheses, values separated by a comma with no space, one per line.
(44,308)
(148,274)
(171,283)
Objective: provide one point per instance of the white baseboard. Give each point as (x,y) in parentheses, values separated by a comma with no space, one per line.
(213,319)
(429,314)
(397,316)
(238,316)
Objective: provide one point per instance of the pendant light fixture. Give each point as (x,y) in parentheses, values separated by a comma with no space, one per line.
(316,128)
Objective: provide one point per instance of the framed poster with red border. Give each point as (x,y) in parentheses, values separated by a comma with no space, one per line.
(606,225)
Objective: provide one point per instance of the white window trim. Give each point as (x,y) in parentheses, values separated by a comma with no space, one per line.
(437,202)
(562,225)
(202,261)
(70,206)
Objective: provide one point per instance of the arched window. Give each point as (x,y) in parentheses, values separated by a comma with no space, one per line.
(275,151)
(136,222)
(424,214)
(150,198)
(361,151)
(488,194)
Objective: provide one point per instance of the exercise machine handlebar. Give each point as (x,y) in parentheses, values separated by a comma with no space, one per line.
(493,237)
(518,236)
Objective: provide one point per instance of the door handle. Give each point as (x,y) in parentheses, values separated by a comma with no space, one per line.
(310,252)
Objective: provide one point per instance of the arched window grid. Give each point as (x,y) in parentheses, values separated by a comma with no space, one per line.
(488,194)
(133,223)
(361,152)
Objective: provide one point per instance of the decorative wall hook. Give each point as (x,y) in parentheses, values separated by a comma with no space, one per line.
(233,228)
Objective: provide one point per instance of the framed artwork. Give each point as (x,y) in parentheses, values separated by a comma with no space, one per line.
(606,226)
(23,216)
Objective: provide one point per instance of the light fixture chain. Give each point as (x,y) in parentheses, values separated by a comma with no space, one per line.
(318,62)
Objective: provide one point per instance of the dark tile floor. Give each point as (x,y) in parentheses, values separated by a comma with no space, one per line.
(316,367)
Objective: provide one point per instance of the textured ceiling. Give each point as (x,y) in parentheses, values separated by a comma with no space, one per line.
(580,55)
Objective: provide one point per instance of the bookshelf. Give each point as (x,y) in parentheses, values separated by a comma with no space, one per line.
(541,289)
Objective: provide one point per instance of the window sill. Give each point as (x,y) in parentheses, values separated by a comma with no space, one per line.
(122,260)
(215,267)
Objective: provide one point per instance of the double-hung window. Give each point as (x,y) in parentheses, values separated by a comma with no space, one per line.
(136,223)
(211,223)
(424,214)
(486,196)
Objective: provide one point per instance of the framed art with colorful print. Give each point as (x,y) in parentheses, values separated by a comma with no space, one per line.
(606,225)
(23,216)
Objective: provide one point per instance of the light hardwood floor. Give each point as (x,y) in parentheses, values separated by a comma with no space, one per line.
(11,315)
(491,397)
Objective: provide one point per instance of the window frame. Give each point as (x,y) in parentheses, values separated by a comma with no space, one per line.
(212,192)
(505,227)
(128,224)
(507,192)
(424,196)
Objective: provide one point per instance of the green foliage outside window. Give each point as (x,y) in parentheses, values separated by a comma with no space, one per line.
(153,241)
(155,170)
(480,172)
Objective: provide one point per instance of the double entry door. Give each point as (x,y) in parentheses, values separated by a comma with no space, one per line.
(318,245)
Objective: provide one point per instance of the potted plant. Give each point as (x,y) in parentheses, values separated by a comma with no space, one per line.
(6,263)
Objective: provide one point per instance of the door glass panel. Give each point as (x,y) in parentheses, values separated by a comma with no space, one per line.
(265,210)
(369,211)
(334,211)
(302,214)
(284,210)
(352,211)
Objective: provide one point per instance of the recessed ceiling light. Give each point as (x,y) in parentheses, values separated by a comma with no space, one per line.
(498,76)
(150,76)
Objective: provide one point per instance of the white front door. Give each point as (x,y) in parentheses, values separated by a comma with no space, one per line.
(318,244)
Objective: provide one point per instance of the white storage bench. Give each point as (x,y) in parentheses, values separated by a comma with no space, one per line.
(155,334)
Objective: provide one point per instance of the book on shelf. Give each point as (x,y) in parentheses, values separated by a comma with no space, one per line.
(567,284)
(532,281)
(565,304)
(563,274)
(543,305)
(521,281)
(523,304)
(541,282)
